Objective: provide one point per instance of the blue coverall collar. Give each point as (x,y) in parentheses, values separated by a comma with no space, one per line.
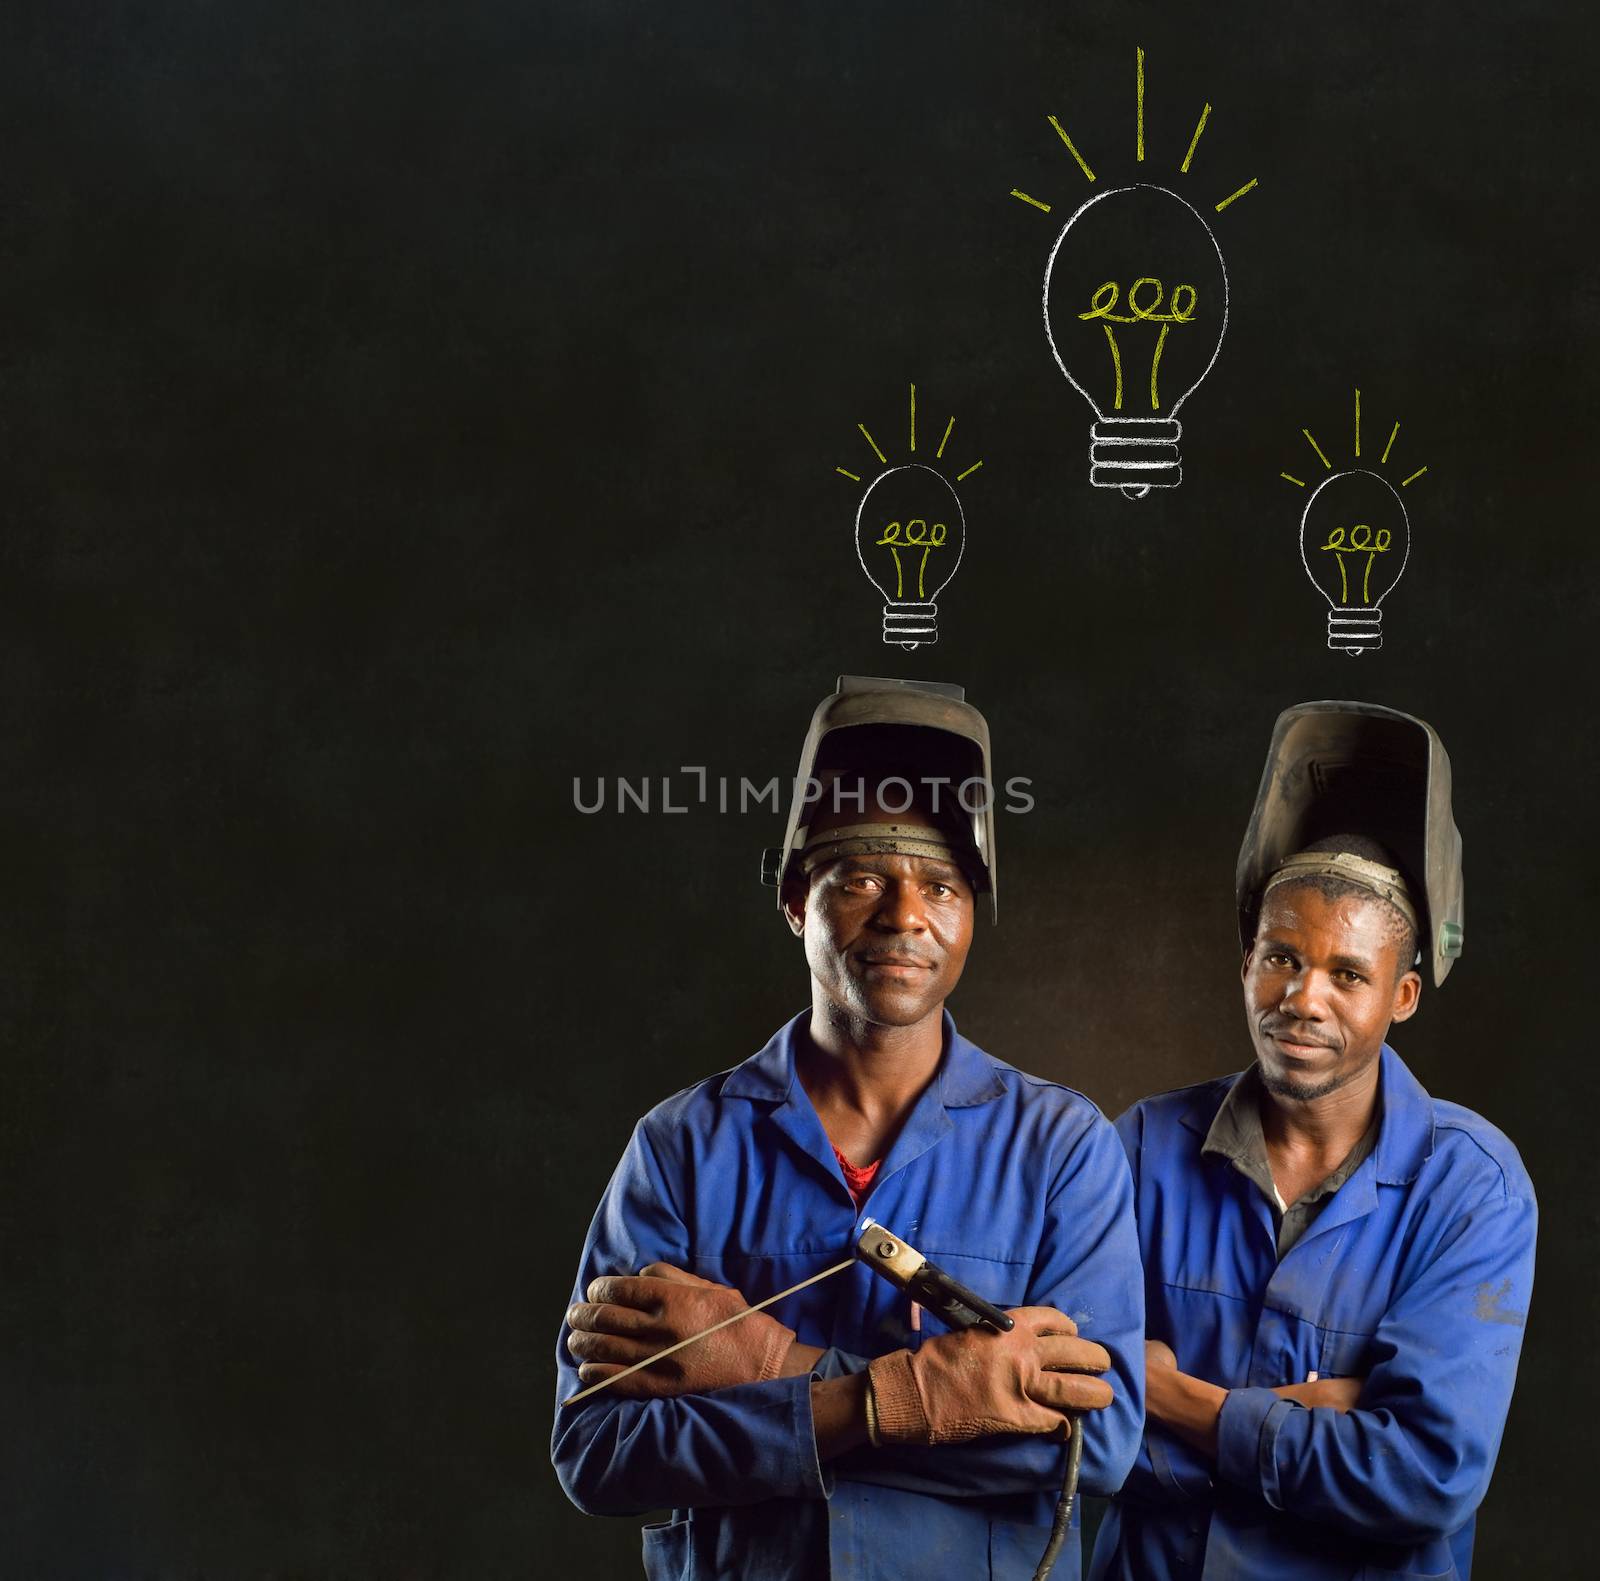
(1405,1138)
(966,1076)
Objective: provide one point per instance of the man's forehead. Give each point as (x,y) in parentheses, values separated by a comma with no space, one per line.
(1356,920)
(882,861)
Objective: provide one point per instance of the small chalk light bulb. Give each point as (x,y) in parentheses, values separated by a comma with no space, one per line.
(1135,344)
(910,533)
(1354,542)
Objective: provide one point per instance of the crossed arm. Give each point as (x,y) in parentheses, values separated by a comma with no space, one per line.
(953,1388)
(1191,1409)
(965,1414)
(1404,1454)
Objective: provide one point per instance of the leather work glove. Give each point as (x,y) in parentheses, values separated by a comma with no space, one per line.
(627,1318)
(972,1382)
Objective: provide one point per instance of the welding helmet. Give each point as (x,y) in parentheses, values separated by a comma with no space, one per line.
(916,730)
(1358,768)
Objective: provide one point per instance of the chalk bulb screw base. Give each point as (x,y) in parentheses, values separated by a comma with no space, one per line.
(1355,628)
(911,624)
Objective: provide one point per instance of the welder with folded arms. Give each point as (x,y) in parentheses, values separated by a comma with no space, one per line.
(847,1432)
(1337,1265)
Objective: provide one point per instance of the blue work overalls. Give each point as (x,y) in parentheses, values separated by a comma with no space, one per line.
(1016,1186)
(1415,1276)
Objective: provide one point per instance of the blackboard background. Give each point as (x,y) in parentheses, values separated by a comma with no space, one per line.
(407,409)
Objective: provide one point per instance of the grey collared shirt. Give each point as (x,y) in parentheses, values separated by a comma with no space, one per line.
(1236,1135)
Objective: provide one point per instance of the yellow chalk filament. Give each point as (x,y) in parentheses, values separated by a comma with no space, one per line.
(946,440)
(1390,446)
(1193,141)
(1318,448)
(914,421)
(854,477)
(1061,132)
(1414,476)
(873,442)
(1155,363)
(970,470)
(1116,360)
(1044,208)
(1239,194)
(1358,425)
(1299,483)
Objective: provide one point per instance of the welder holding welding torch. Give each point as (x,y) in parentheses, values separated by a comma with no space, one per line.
(851,1429)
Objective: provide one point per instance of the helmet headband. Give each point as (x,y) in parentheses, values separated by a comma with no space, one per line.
(1384,882)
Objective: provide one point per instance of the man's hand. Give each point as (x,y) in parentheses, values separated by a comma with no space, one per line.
(1158,1357)
(970,1383)
(628,1318)
(1186,1406)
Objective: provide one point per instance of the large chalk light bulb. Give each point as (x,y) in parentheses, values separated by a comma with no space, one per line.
(910,533)
(1135,308)
(1354,542)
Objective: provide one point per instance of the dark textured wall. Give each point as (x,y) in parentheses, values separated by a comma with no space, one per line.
(408,409)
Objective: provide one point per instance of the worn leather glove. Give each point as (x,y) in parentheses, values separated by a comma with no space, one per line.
(972,1382)
(627,1318)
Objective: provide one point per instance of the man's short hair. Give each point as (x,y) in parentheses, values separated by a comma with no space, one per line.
(1398,925)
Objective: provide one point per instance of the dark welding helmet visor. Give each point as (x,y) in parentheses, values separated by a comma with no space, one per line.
(876,729)
(1358,768)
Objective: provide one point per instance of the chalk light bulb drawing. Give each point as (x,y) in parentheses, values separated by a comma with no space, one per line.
(1135,309)
(1135,346)
(910,535)
(1355,540)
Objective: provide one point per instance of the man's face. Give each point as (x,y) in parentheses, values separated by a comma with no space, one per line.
(1322,983)
(886,936)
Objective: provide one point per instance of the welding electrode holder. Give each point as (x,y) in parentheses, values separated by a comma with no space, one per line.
(931,1288)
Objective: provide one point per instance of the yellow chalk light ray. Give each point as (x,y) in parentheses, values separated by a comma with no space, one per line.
(1061,132)
(1139,99)
(1194,141)
(1318,448)
(1394,432)
(1232,196)
(1138,149)
(949,428)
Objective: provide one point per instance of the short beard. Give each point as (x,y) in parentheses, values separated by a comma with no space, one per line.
(1301,1092)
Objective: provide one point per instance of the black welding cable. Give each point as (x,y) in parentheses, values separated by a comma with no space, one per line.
(1069,1493)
